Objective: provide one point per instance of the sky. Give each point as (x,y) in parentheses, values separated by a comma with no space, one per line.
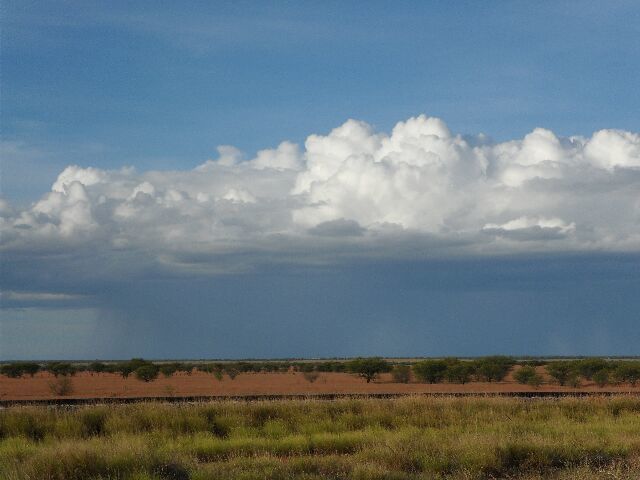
(319,179)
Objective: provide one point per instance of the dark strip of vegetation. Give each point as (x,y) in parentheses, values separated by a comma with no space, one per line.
(451,370)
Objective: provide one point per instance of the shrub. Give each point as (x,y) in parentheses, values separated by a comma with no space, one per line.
(627,372)
(146,373)
(527,375)
(232,372)
(369,368)
(574,380)
(111,368)
(127,368)
(589,366)
(246,367)
(97,367)
(61,387)
(93,421)
(494,368)
(17,369)
(269,367)
(401,373)
(310,376)
(30,368)
(61,368)
(171,471)
(561,371)
(430,371)
(601,377)
(124,369)
(535,381)
(185,367)
(206,367)
(218,374)
(12,370)
(459,372)
(330,366)
(168,369)
(533,363)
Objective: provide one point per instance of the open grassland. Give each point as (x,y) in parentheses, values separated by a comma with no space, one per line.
(402,438)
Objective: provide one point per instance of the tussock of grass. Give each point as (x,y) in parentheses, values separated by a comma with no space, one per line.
(405,438)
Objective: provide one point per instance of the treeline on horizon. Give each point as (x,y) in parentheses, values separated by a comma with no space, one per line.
(450,370)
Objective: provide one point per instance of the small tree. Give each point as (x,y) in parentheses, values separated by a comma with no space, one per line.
(311,376)
(127,368)
(61,368)
(527,375)
(146,373)
(97,367)
(124,369)
(589,366)
(168,369)
(535,381)
(601,377)
(561,371)
(494,368)
(17,369)
(205,367)
(369,368)
(185,367)
(430,371)
(627,372)
(401,373)
(459,372)
(61,387)
(30,368)
(574,380)
(11,370)
(232,372)
(307,367)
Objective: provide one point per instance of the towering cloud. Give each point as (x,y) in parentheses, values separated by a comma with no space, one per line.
(420,189)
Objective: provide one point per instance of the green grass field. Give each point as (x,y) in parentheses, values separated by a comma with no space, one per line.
(403,438)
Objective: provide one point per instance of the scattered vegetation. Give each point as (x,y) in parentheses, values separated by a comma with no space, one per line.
(61,369)
(231,372)
(401,373)
(431,371)
(369,368)
(459,372)
(493,369)
(571,373)
(527,375)
(147,373)
(561,371)
(311,376)
(61,386)
(407,438)
(18,369)
(97,367)
(601,377)
(627,372)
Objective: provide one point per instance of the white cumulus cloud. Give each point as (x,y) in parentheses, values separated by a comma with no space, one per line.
(420,188)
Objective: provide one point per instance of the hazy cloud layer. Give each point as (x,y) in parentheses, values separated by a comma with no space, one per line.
(418,191)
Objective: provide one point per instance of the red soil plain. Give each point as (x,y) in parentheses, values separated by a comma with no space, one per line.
(108,385)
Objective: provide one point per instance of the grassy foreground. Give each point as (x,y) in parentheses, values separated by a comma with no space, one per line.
(404,438)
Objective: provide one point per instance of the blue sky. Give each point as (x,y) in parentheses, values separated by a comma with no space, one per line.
(159,86)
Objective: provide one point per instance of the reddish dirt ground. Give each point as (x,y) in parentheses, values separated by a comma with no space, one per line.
(106,385)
